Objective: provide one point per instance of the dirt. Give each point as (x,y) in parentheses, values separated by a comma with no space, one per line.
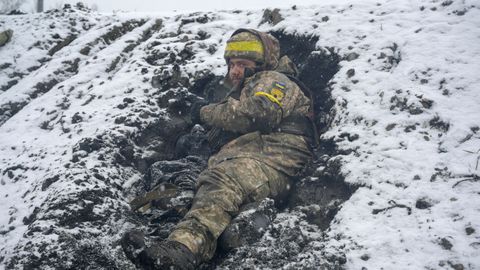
(315,198)
(267,235)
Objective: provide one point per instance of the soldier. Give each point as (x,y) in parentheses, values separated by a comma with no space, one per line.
(268,113)
(5,37)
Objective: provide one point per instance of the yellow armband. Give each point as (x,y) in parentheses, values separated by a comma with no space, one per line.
(270,97)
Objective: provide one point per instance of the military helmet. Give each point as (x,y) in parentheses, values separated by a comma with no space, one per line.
(260,47)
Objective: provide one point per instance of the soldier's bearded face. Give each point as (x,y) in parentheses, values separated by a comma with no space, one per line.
(237,68)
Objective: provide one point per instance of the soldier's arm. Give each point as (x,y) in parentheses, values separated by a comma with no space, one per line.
(269,102)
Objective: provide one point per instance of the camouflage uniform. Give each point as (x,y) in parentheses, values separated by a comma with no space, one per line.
(258,164)
(5,37)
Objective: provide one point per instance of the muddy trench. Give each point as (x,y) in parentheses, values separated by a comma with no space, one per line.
(173,150)
(315,198)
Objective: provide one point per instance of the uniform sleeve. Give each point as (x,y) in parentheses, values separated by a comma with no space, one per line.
(262,105)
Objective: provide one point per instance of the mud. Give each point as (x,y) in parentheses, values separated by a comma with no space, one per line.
(62,44)
(314,200)
(115,33)
(171,149)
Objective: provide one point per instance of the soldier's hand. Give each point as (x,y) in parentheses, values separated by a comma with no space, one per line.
(195,110)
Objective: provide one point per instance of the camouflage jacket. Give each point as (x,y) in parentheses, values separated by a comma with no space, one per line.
(266,100)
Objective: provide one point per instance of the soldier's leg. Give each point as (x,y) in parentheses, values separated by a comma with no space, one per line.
(223,189)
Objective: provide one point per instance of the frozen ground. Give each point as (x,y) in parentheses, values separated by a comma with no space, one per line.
(80,92)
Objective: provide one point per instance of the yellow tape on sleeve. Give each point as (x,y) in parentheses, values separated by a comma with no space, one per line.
(270,97)
(245,46)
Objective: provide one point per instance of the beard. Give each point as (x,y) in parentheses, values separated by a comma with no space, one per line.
(235,80)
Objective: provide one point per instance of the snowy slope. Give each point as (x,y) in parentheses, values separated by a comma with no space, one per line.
(76,123)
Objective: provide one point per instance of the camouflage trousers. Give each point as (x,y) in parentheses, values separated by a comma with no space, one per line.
(223,189)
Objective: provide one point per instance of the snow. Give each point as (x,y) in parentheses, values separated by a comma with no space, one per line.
(181,5)
(409,51)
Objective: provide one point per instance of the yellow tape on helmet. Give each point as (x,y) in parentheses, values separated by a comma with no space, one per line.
(245,46)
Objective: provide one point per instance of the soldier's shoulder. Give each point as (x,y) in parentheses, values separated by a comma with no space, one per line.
(271,76)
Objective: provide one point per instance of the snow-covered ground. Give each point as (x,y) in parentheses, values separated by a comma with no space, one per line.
(407,110)
(179,5)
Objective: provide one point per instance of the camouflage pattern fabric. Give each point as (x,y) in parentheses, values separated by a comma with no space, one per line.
(257,118)
(223,189)
(5,37)
(271,48)
(258,164)
(245,45)
(287,67)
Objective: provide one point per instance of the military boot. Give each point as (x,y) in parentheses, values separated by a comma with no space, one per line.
(133,242)
(171,255)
